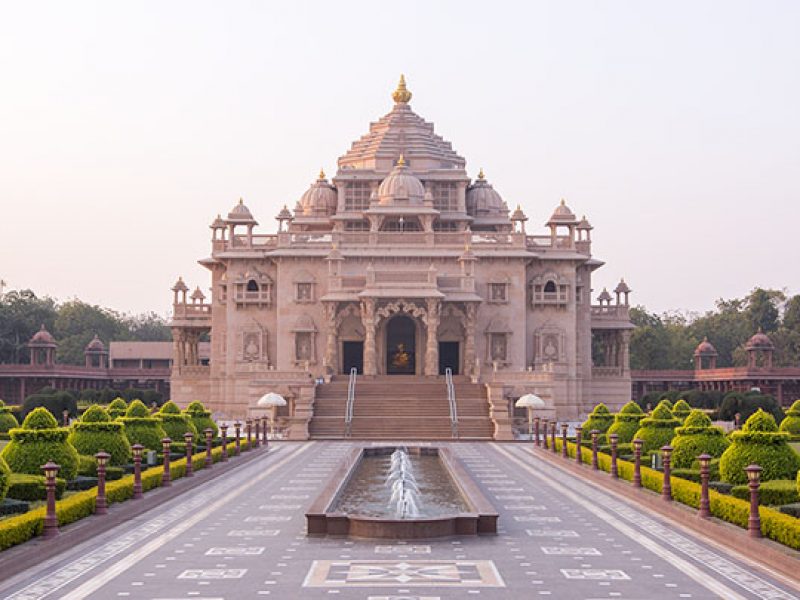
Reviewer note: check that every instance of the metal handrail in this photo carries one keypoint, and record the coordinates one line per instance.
(451, 400)
(351, 398)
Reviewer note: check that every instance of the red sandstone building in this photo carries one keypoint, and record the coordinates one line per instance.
(781, 382)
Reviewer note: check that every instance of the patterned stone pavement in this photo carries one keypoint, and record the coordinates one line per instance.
(243, 536)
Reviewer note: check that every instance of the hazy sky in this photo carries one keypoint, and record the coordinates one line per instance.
(126, 127)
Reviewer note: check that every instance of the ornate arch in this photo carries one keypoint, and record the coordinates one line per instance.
(402, 307)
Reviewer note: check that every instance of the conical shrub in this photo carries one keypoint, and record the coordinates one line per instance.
(96, 432)
(681, 410)
(175, 423)
(600, 419)
(39, 440)
(141, 427)
(7, 420)
(201, 418)
(759, 443)
(117, 408)
(658, 429)
(696, 437)
(626, 422)
(790, 423)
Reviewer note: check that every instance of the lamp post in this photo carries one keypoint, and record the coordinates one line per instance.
(595, 434)
(188, 438)
(209, 435)
(224, 431)
(537, 441)
(249, 424)
(258, 432)
(237, 427)
(614, 439)
(705, 505)
(564, 427)
(264, 432)
(546, 427)
(637, 462)
(578, 432)
(166, 480)
(137, 470)
(666, 486)
(50, 529)
(754, 482)
(100, 501)
(553, 427)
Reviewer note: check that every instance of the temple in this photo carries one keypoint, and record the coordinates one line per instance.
(401, 270)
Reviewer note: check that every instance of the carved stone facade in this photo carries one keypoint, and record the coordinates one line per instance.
(401, 264)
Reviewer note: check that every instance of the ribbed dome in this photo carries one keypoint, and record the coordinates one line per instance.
(401, 185)
(96, 345)
(705, 348)
(562, 214)
(42, 338)
(760, 341)
(483, 200)
(320, 199)
(241, 214)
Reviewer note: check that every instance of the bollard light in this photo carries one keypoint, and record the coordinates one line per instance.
(249, 423)
(546, 428)
(578, 442)
(637, 462)
(595, 434)
(137, 470)
(553, 436)
(666, 486)
(754, 482)
(100, 501)
(264, 431)
(238, 429)
(50, 529)
(188, 439)
(258, 432)
(564, 427)
(224, 432)
(209, 458)
(536, 422)
(614, 439)
(166, 479)
(705, 505)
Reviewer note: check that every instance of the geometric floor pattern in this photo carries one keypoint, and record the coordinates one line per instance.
(243, 536)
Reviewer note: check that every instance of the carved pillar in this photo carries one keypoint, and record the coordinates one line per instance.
(368, 319)
(432, 345)
(626, 355)
(331, 359)
(471, 312)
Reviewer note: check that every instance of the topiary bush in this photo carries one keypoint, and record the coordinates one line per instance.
(626, 422)
(96, 432)
(681, 410)
(790, 424)
(759, 442)
(175, 423)
(601, 419)
(696, 437)
(55, 402)
(201, 418)
(117, 408)
(658, 429)
(7, 420)
(747, 403)
(39, 440)
(141, 428)
(5, 474)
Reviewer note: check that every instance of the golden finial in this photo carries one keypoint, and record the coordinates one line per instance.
(321, 174)
(241, 201)
(401, 95)
(401, 162)
(563, 202)
(481, 176)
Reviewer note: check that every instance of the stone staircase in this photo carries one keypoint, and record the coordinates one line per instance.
(401, 407)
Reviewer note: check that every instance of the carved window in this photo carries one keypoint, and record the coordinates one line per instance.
(402, 224)
(357, 195)
(303, 347)
(498, 292)
(305, 292)
(550, 287)
(362, 225)
(252, 285)
(445, 196)
(498, 348)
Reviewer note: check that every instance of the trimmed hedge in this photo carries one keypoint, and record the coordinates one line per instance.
(696, 437)
(19, 529)
(5, 474)
(7, 420)
(201, 418)
(141, 428)
(175, 423)
(775, 492)
(681, 410)
(790, 424)
(117, 408)
(96, 432)
(658, 429)
(626, 422)
(39, 440)
(600, 419)
(32, 488)
(759, 442)
(775, 525)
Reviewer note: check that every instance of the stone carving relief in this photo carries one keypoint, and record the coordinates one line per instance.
(402, 307)
(253, 343)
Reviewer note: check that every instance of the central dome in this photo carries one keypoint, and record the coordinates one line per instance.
(401, 185)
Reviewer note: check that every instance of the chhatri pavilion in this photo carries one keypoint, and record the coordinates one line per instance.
(401, 269)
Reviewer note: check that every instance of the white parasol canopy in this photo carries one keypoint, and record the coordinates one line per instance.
(271, 399)
(530, 401)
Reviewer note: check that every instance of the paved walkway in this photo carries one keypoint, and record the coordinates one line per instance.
(242, 536)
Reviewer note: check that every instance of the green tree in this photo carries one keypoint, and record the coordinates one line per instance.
(22, 313)
(77, 322)
(762, 309)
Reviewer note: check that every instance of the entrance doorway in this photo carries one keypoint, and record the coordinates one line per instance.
(401, 346)
(448, 357)
(353, 357)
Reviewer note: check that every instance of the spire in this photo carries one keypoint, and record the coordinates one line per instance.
(401, 162)
(401, 95)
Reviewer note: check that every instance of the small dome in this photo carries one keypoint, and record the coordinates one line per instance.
(562, 214)
(241, 214)
(42, 338)
(705, 348)
(604, 296)
(319, 199)
(760, 341)
(285, 214)
(401, 185)
(197, 294)
(584, 224)
(218, 223)
(482, 199)
(518, 215)
(96, 345)
(180, 286)
(622, 288)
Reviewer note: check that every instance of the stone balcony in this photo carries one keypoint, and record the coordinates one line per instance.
(611, 316)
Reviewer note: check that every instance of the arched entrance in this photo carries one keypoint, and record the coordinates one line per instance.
(401, 346)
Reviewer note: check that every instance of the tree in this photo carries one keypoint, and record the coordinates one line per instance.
(762, 309)
(22, 313)
(78, 322)
(791, 314)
